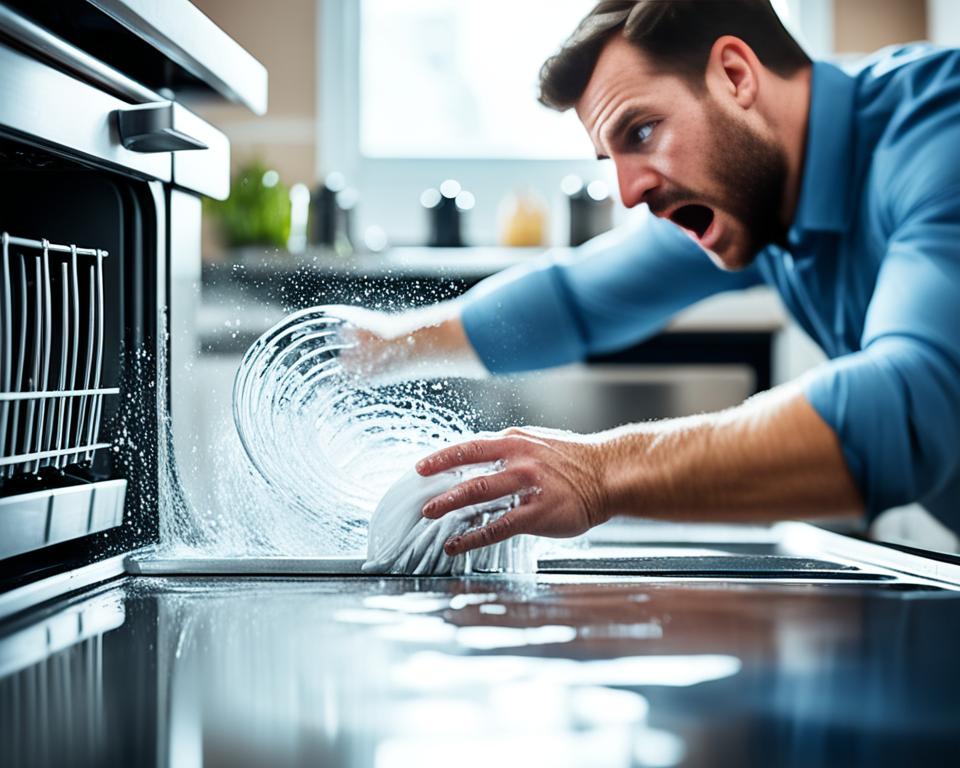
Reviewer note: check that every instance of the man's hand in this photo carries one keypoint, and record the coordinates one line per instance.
(772, 458)
(556, 477)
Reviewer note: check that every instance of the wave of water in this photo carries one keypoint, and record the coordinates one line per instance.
(326, 446)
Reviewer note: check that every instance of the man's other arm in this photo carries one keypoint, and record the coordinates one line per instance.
(613, 291)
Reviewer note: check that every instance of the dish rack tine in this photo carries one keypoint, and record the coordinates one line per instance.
(44, 425)
(64, 335)
(69, 430)
(87, 366)
(97, 401)
(18, 445)
(33, 379)
(5, 360)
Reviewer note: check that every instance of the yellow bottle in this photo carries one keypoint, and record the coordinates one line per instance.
(523, 220)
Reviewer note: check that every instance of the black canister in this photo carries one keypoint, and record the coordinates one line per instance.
(591, 208)
(324, 213)
(445, 207)
(331, 214)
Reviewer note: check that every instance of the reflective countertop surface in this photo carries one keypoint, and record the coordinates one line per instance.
(549, 670)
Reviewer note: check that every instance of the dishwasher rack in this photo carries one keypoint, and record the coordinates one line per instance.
(51, 355)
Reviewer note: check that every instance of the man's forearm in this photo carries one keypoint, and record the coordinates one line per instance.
(435, 333)
(433, 342)
(771, 458)
(420, 343)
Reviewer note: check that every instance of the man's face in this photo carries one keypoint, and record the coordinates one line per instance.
(693, 157)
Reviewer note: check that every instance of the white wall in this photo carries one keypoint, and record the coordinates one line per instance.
(943, 22)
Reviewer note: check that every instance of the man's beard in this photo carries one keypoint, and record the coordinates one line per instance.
(752, 172)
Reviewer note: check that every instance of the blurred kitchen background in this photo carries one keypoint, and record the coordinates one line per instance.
(404, 157)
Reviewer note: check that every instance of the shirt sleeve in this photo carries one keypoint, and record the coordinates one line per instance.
(895, 405)
(611, 292)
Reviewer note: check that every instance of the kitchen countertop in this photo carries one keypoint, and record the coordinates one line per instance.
(554, 670)
(257, 272)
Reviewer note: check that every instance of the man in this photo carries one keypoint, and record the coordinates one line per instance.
(758, 166)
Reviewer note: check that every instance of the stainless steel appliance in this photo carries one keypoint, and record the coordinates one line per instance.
(102, 170)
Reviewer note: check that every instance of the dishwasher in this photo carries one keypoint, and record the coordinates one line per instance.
(645, 644)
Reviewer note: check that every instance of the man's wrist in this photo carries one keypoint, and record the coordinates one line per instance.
(626, 472)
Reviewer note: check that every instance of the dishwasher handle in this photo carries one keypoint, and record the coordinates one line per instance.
(154, 127)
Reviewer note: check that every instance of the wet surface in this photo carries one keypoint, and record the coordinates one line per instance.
(549, 670)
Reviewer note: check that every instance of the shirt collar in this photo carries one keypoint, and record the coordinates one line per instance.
(824, 203)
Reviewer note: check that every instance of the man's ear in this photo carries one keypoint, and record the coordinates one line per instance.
(733, 71)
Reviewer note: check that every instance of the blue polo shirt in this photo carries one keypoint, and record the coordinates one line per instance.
(871, 272)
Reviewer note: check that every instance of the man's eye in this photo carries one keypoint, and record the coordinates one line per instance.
(642, 133)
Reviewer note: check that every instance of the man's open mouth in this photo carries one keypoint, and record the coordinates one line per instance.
(694, 218)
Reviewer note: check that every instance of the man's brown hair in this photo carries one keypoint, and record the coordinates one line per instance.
(677, 35)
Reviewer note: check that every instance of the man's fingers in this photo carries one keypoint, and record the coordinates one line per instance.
(499, 530)
(473, 491)
(473, 452)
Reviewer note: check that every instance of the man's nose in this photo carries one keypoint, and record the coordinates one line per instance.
(636, 179)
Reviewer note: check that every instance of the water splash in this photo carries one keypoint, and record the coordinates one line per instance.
(320, 450)
(309, 452)
(242, 517)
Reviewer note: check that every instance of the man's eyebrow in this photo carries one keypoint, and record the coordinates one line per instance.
(623, 123)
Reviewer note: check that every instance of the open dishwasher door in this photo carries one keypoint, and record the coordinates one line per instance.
(101, 172)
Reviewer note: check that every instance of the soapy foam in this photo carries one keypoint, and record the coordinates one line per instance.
(402, 541)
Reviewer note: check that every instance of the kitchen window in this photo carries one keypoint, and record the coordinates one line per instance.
(417, 92)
